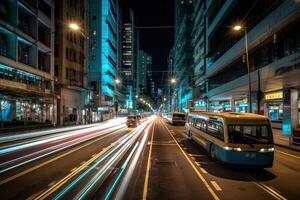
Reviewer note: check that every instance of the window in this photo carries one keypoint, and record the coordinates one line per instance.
(215, 129)
(94, 17)
(250, 134)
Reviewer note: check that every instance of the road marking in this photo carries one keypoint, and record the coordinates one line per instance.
(52, 183)
(216, 186)
(215, 196)
(146, 183)
(75, 168)
(203, 170)
(52, 160)
(198, 164)
(287, 154)
(267, 189)
(53, 188)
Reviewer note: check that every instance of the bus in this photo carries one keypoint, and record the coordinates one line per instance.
(242, 139)
(176, 118)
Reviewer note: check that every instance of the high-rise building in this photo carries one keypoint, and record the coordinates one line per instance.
(128, 61)
(170, 83)
(27, 63)
(144, 64)
(183, 53)
(103, 75)
(71, 51)
(268, 31)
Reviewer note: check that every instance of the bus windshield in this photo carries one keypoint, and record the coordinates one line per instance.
(179, 116)
(250, 134)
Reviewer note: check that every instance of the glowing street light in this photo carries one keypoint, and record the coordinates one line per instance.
(117, 81)
(173, 80)
(74, 26)
(165, 99)
(237, 27)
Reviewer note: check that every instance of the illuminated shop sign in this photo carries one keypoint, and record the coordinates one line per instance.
(274, 95)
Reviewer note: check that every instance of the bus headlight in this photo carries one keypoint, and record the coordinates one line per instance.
(266, 149)
(232, 149)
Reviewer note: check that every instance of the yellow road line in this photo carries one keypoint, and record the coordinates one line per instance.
(49, 161)
(194, 168)
(203, 170)
(287, 154)
(146, 183)
(216, 186)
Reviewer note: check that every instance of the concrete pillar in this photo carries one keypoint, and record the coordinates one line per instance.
(294, 108)
(287, 120)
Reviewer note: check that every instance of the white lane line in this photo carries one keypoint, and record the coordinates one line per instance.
(291, 155)
(216, 186)
(146, 183)
(267, 189)
(209, 188)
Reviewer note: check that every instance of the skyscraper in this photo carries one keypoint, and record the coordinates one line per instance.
(129, 60)
(103, 62)
(144, 64)
(183, 53)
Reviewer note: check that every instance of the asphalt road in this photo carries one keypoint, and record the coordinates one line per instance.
(32, 179)
(173, 172)
(153, 161)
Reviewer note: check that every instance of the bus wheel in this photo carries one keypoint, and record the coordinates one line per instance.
(212, 151)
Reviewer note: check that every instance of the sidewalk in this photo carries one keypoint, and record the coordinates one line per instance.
(281, 140)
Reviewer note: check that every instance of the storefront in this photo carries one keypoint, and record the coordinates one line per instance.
(220, 106)
(241, 105)
(273, 107)
(200, 105)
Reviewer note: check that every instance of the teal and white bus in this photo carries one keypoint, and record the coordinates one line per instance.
(233, 138)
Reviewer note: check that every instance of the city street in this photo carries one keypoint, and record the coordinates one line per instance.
(152, 161)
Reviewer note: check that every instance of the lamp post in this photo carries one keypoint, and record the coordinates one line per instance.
(76, 28)
(238, 28)
(173, 82)
(117, 82)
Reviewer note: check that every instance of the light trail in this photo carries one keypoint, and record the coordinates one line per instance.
(24, 145)
(128, 175)
(120, 147)
(27, 158)
(22, 136)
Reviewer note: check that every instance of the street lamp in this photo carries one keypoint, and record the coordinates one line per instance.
(117, 81)
(238, 28)
(173, 80)
(74, 26)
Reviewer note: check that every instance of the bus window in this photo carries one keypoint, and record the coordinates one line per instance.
(251, 134)
(215, 128)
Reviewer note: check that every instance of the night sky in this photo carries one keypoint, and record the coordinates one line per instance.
(156, 42)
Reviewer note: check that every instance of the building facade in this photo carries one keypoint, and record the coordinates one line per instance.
(128, 65)
(71, 50)
(183, 53)
(104, 58)
(144, 64)
(270, 30)
(27, 63)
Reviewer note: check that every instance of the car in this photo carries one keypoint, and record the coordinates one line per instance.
(132, 121)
